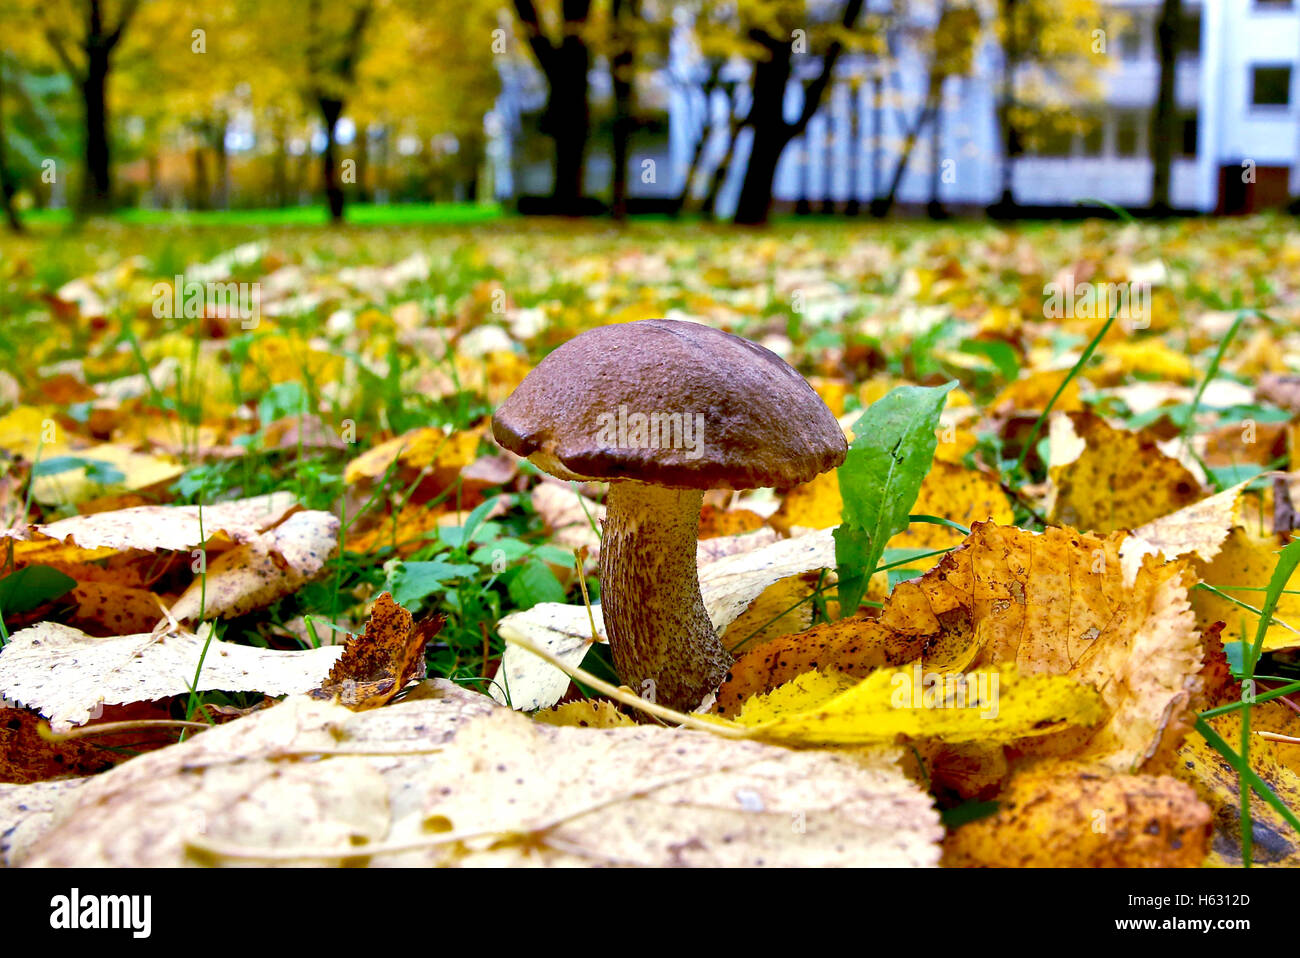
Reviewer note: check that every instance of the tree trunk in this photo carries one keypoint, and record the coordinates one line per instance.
(718, 179)
(97, 190)
(803, 205)
(708, 88)
(381, 167)
(1010, 138)
(222, 198)
(280, 169)
(1162, 125)
(7, 185)
(877, 134)
(828, 168)
(202, 199)
(331, 109)
(362, 191)
(928, 113)
(934, 208)
(621, 69)
(853, 205)
(755, 203)
(568, 122)
(767, 113)
(771, 135)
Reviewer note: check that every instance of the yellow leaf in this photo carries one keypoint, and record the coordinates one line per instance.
(988, 705)
(27, 430)
(589, 713)
(1033, 391)
(426, 447)
(1104, 479)
(1054, 603)
(1072, 815)
(1217, 783)
(1242, 570)
(124, 469)
(1146, 357)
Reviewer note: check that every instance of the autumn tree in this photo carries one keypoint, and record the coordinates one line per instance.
(1163, 120)
(564, 56)
(950, 46)
(1053, 54)
(85, 37)
(779, 32)
(434, 78)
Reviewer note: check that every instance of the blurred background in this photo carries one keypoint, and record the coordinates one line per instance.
(724, 109)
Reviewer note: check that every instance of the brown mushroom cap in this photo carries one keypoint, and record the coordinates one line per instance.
(762, 425)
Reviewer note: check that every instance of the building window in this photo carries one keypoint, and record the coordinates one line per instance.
(1127, 127)
(1130, 40)
(1270, 86)
(1094, 138)
(1273, 4)
(1053, 142)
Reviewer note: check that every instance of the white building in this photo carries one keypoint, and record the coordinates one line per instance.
(1237, 146)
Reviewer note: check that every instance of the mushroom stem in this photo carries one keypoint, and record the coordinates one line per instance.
(664, 645)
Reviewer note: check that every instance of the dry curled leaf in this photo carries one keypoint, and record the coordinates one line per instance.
(386, 657)
(255, 573)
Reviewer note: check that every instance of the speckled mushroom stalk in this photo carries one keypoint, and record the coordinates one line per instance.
(665, 648)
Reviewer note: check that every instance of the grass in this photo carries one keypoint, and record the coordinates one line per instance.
(355, 214)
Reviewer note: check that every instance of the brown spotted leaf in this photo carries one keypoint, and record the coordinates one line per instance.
(386, 657)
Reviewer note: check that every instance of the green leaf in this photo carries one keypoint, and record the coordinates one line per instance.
(282, 399)
(1000, 354)
(1287, 561)
(534, 583)
(103, 473)
(31, 586)
(475, 529)
(880, 479)
(411, 582)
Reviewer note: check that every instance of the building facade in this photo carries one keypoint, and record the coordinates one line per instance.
(1236, 148)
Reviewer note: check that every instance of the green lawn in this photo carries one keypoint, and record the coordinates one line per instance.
(358, 214)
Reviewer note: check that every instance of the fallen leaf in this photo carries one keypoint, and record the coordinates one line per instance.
(27, 812)
(1274, 841)
(1051, 604)
(255, 573)
(1241, 571)
(1197, 530)
(990, 705)
(174, 528)
(1071, 815)
(589, 713)
(65, 674)
(1104, 479)
(386, 657)
(514, 790)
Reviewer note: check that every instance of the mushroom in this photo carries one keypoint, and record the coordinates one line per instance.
(663, 410)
